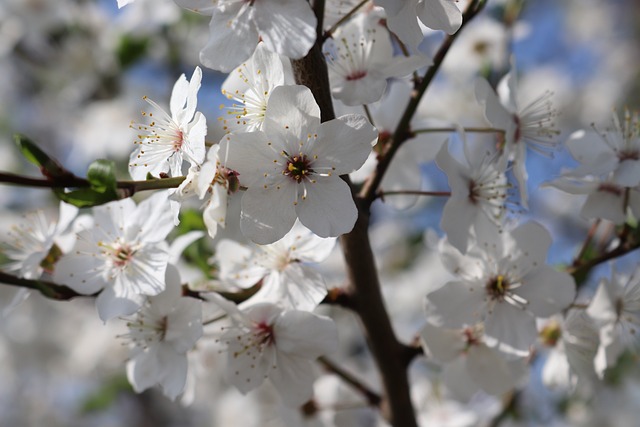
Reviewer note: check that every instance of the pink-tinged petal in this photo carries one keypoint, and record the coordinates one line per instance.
(343, 145)
(490, 371)
(292, 111)
(444, 345)
(547, 291)
(456, 304)
(328, 209)
(268, 213)
(232, 37)
(293, 378)
(514, 328)
(110, 305)
(440, 15)
(305, 334)
(287, 27)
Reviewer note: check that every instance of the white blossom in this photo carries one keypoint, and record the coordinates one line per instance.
(360, 59)
(292, 168)
(165, 328)
(615, 308)
(281, 268)
(266, 341)
(249, 87)
(504, 282)
(122, 255)
(287, 27)
(532, 124)
(169, 139)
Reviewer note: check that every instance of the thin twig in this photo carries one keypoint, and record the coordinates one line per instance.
(372, 397)
(329, 33)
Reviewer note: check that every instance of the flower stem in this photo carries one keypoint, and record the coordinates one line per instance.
(372, 397)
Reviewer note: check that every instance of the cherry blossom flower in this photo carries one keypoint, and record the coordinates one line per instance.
(266, 341)
(31, 242)
(614, 151)
(168, 140)
(292, 168)
(33, 247)
(615, 308)
(403, 15)
(504, 282)
(281, 266)
(249, 87)
(479, 192)
(532, 124)
(360, 59)
(287, 27)
(123, 255)
(165, 328)
(469, 363)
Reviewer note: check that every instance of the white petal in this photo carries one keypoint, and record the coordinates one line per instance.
(287, 27)
(143, 370)
(329, 209)
(344, 144)
(489, 370)
(268, 213)
(456, 304)
(547, 291)
(293, 378)
(110, 305)
(512, 327)
(305, 334)
(232, 37)
(444, 345)
(440, 15)
(291, 110)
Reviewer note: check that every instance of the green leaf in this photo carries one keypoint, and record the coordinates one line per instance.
(49, 166)
(131, 49)
(84, 197)
(102, 176)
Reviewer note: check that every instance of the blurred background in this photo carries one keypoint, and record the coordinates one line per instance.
(73, 76)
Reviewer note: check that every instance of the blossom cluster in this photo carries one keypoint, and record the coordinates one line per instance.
(237, 263)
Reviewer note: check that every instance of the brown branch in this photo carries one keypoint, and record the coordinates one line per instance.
(47, 289)
(371, 396)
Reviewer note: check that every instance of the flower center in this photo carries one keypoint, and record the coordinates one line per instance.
(298, 167)
(497, 287)
(356, 75)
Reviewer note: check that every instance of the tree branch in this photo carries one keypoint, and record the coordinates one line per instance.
(403, 131)
(47, 289)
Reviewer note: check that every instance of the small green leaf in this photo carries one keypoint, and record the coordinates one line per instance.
(84, 197)
(49, 166)
(102, 176)
(106, 395)
(131, 49)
